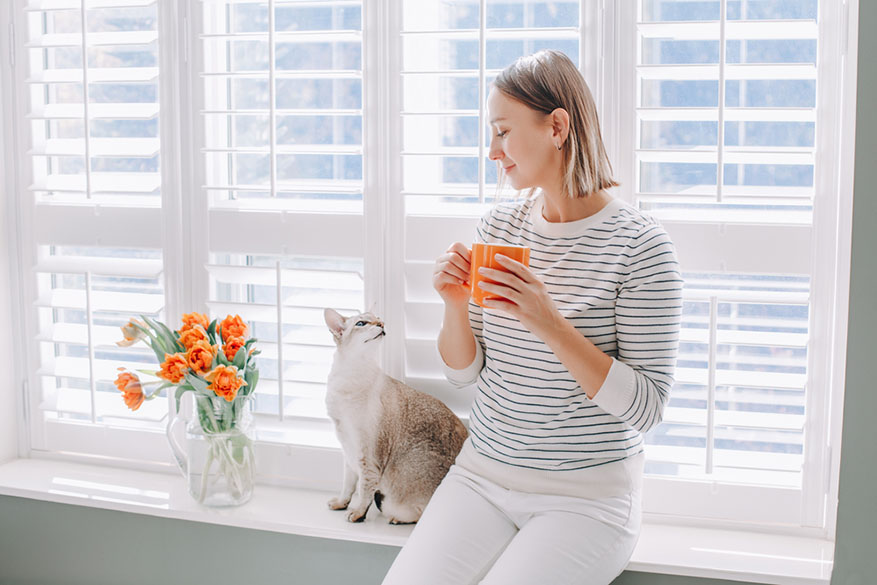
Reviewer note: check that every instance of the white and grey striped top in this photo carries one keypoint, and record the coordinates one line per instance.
(615, 276)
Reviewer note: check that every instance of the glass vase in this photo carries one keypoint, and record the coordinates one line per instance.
(216, 456)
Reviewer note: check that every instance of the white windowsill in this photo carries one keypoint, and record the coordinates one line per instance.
(675, 550)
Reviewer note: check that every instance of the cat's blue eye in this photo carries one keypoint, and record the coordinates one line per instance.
(361, 323)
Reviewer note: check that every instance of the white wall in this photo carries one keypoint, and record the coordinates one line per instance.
(8, 396)
(9, 403)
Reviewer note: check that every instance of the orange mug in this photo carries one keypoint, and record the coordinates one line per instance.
(485, 255)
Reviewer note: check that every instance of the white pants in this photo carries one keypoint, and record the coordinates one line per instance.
(475, 531)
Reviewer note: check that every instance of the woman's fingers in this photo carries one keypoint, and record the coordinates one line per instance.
(448, 265)
(513, 281)
(517, 268)
(455, 262)
(506, 292)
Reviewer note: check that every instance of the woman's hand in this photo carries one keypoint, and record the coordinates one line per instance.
(450, 277)
(525, 297)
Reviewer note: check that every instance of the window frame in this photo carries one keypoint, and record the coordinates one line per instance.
(386, 232)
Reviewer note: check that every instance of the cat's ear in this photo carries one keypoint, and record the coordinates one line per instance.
(335, 321)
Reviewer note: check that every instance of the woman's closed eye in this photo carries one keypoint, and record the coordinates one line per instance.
(502, 134)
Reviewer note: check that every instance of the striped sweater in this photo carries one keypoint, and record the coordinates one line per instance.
(614, 275)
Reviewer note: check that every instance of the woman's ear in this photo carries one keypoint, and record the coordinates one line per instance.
(559, 125)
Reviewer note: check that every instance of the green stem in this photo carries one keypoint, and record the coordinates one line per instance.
(206, 475)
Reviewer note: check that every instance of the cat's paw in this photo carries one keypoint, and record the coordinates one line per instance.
(338, 504)
(396, 521)
(357, 515)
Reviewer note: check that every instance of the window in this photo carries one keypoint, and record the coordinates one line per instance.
(272, 158)
(728, 103)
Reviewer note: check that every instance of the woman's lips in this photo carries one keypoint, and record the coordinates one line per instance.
(508, 168)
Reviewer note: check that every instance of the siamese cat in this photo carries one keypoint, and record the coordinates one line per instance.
(398, 443)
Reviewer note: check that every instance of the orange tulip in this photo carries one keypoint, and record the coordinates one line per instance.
(224, 380)
(192, 319)
(132, 391)
(200, 356)
(233, 327)
(231, 347)
(133, 400)
(189, 336)
(174, 367)
(131, 333)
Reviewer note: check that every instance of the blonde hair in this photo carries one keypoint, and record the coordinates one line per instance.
(545, 81)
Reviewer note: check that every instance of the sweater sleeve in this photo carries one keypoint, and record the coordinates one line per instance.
(648, 313)
(469, 375)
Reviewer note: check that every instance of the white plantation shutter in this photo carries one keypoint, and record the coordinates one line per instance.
(282, 186)
(451, 52)
(323, 153)
(724, 112)
(91, 213)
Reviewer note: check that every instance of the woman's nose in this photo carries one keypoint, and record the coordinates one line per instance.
(495, 153)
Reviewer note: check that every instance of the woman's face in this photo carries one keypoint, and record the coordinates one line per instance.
(523, 142)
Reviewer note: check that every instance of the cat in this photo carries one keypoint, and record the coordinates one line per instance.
(398, 443)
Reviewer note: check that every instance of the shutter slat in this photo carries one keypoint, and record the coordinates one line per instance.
(77, 368)
(290, 36)
(75, 401)
(739, 418)
(135, 111)
(286, 74)
(96, 75)
(732, 155)
(99, 147)
(93, 39)
(743, 378)
(47, 5)
(298, 186)
(730, 114)
(101, 183)
(734, 30)
(133, 267)
(732, 72)
(120, 302)
(328, 149)
(75, 334)
(746, 337)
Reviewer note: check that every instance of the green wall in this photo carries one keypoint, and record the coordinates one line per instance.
(51, 544)
(855, 558)
(47, 543)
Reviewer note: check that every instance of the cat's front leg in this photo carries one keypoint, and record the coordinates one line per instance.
(365, 492)
(348, 485)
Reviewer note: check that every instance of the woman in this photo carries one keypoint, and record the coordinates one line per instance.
(573, 364)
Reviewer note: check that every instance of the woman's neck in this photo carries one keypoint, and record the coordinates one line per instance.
(557, 208)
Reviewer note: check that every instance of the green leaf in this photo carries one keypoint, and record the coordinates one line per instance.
(167, 344)
(240, 357)
(251, 377)
(153, 373)
(211, 331)
(220, 358)
(158, 390)
(250, 342)
(172, 338)
(182, 389)
(197, 383)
